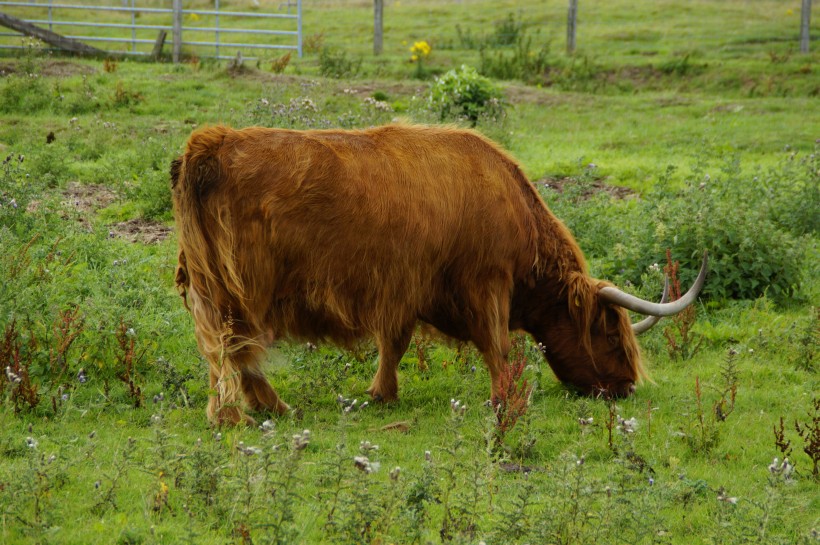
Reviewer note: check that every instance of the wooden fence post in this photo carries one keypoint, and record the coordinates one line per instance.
(805, 28)
(572, 18)
(177, 30)
(378, 27)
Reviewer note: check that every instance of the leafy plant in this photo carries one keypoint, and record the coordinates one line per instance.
(464, 94)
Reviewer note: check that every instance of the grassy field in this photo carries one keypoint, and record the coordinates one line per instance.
(670, 128)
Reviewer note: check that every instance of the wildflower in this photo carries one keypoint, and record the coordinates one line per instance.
(366, 446)
(427, 456)
(31, 442)
(267, 425)
(627, 426)
(156, 419)
(420, 50)
(247, 450)
(82, 377)
(585, 421)
(159, 397)
(394, 473)
(301, 440)
(13, 377)
(724, 498)
(782, 470)
(363, 463)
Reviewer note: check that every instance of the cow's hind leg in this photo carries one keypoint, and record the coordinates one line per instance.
(259, 394)
(385, 385)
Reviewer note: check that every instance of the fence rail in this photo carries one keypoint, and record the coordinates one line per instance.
(215, 22)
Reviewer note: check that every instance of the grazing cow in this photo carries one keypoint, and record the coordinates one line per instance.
(334, 235)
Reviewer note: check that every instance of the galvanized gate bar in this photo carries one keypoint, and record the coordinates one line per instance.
(175, 25)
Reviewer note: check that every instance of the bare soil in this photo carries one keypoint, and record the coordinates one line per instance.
(597, 186)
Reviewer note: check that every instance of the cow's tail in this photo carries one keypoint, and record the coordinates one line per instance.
(205, 231)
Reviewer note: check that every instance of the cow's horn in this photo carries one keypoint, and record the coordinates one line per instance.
(635, 304)
(648, 323)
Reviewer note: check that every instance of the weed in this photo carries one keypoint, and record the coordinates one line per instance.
(110, 66)
(278, 65)
(108, 486)
(314, 43)
(810, 433)
(128, 359)
(681, 342)
(513, 400)
(523, 62)
(124, 98)
(334, 63)
(704, 434)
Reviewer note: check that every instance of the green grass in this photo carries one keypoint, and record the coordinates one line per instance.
(64, 246)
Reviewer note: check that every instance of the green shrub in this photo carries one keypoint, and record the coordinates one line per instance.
(758, 235)
(465, 94)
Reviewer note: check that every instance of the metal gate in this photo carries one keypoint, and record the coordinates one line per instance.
(137, 27)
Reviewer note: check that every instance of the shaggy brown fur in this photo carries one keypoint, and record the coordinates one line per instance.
(341, 235)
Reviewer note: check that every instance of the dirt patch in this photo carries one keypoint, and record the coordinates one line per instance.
(588, 189)
(140, 230)
(52, 68)
(88, 197)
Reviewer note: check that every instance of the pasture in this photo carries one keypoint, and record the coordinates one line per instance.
(686, 128)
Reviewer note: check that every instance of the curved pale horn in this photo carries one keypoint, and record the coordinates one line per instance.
(648, 323)
(635, 304)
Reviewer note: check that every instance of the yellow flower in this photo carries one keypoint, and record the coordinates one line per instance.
(421, 49)
(414, 58)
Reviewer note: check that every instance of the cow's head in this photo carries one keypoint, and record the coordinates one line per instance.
(591, 344)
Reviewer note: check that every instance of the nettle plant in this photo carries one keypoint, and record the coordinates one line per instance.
(464, 94)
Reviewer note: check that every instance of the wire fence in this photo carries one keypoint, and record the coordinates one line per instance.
(638, 27)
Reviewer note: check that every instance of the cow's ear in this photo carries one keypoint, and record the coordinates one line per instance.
(182, 279)
(176, 168)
